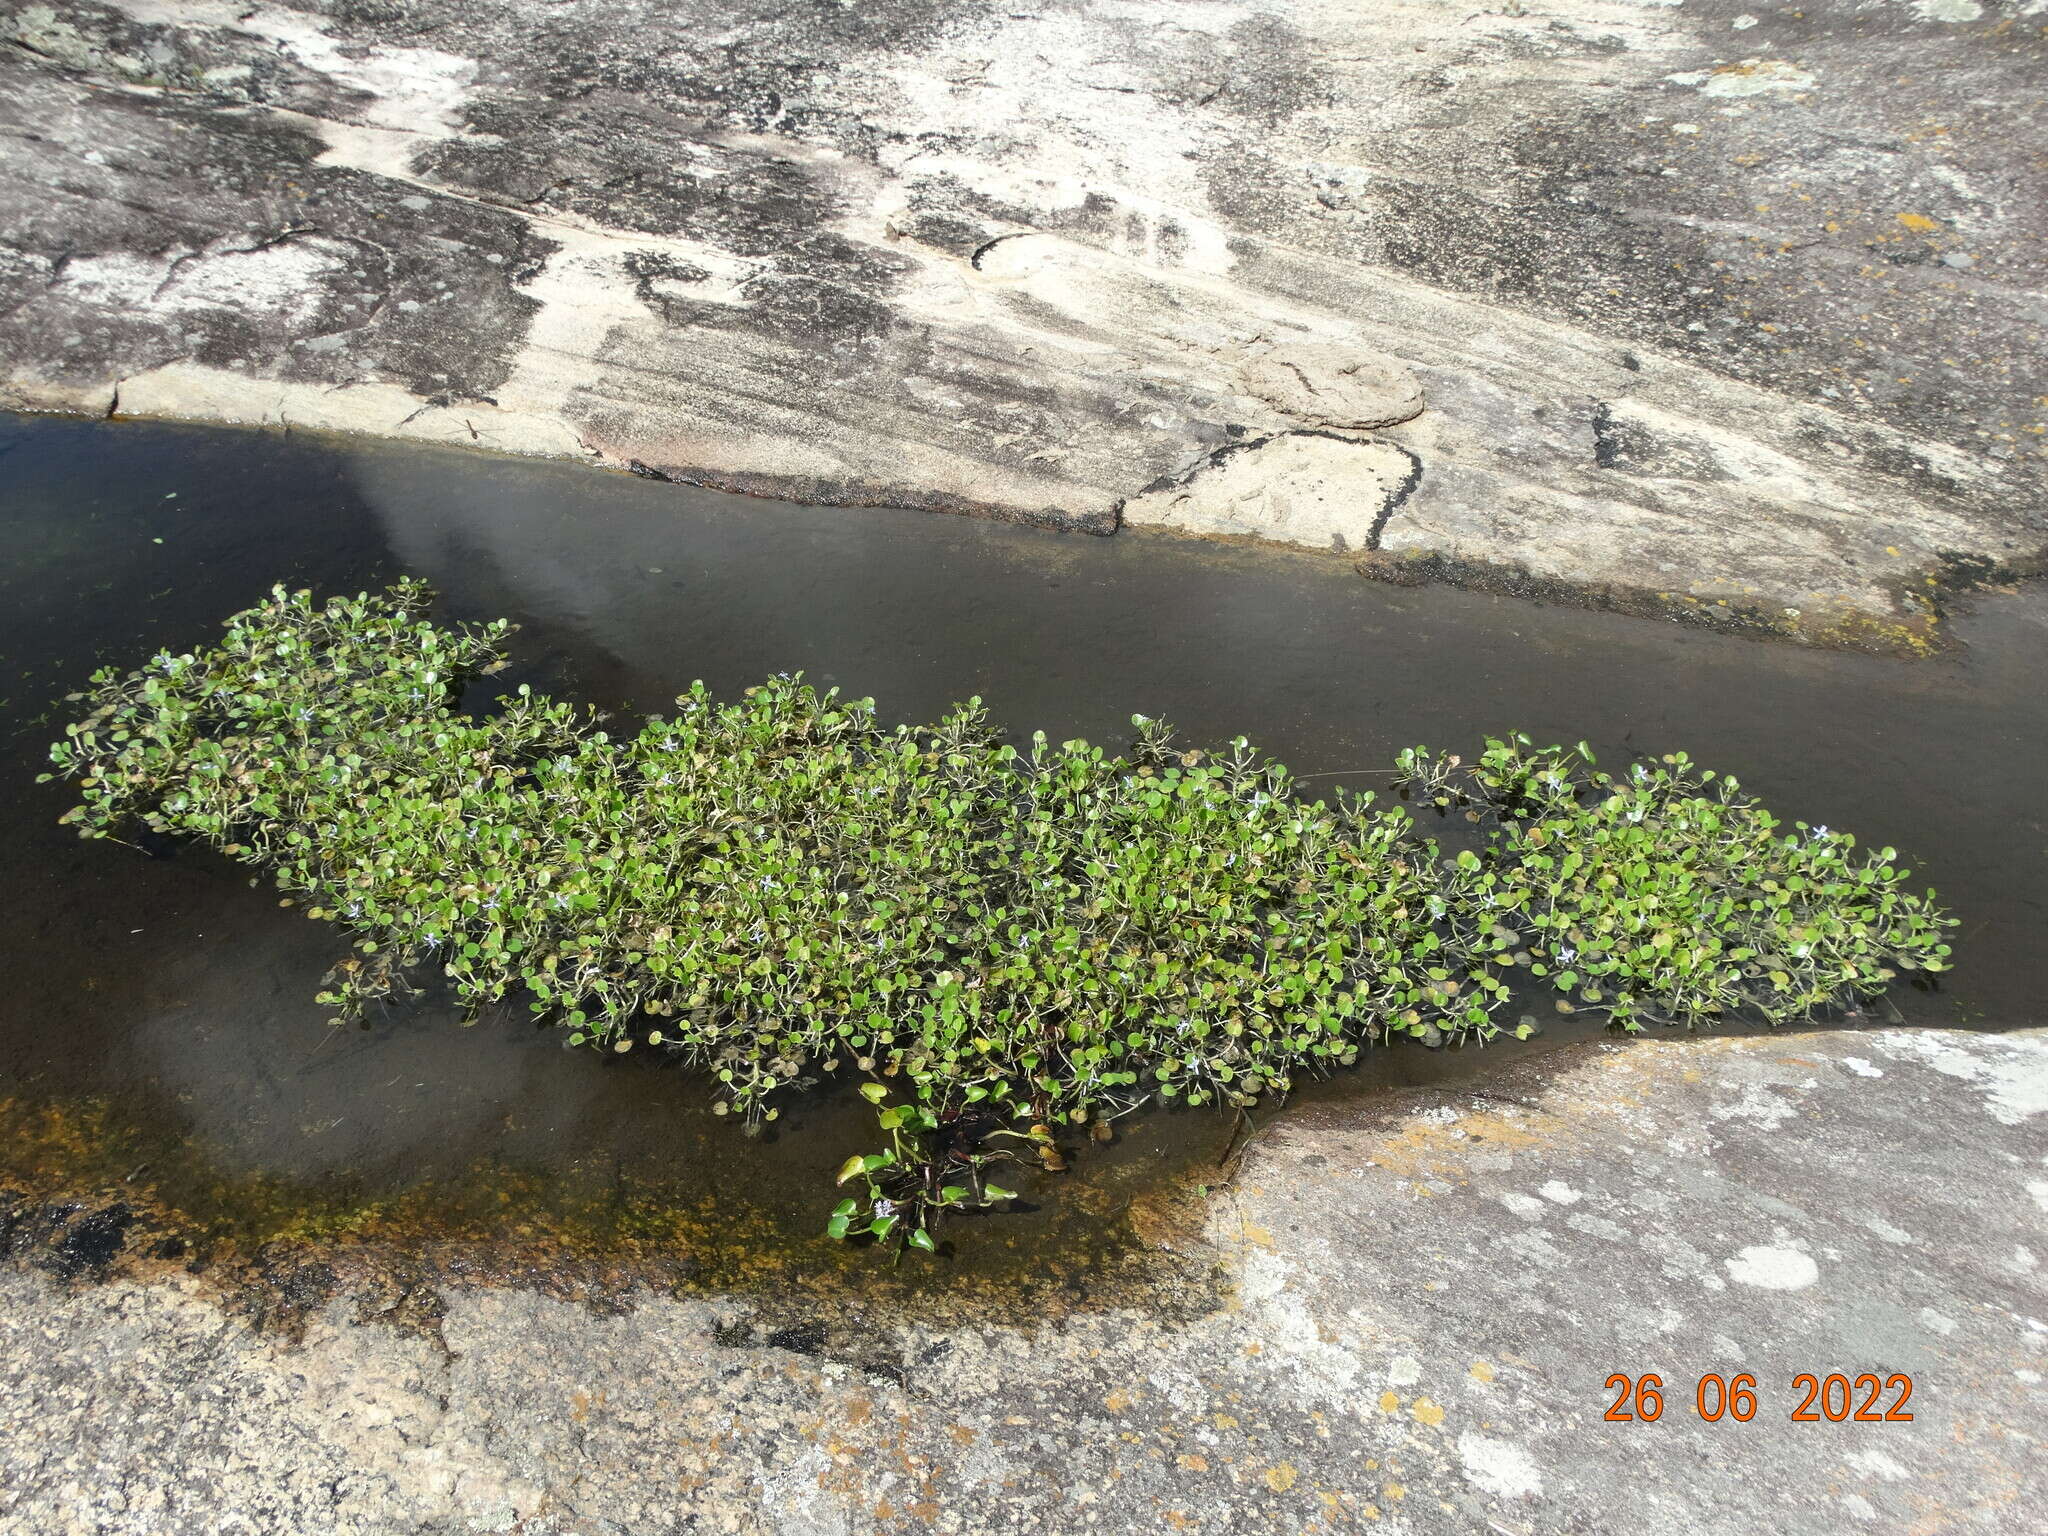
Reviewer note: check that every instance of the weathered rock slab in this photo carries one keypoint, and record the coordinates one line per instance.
(1426, 1299)
(1737, 305)
(1331, 385)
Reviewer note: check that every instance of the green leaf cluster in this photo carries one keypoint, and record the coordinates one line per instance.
(1668, 895)
(935, 1164)
(778, 885)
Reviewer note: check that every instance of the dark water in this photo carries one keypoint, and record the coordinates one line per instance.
(161, 1009)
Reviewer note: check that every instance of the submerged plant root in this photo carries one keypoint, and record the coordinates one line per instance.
(779, 885)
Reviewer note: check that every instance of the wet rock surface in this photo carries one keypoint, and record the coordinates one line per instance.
(1421, 1305)
(1731, 306)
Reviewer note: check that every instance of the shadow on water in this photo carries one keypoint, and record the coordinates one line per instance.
(159, 1032)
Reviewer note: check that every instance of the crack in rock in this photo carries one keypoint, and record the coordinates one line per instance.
(1320, 489)
(1328, 384)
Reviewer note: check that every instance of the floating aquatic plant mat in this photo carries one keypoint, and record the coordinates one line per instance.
(1001, 942)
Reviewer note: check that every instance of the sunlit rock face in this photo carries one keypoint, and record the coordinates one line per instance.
(1737, 306)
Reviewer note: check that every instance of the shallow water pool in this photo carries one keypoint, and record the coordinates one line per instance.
(159, 1022)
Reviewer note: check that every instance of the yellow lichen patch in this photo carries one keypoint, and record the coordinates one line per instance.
(1389, 1403)
(1118, 1401)
(1918, 222)
(1427, 1412)
(1280, 1478)
(1192, 1462)
(1394, 1493)
(1482, 1371)
(1422, 1148)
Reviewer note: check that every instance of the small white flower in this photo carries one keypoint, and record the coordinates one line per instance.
(885, 1208)
(1820, 833)
(1567, 954)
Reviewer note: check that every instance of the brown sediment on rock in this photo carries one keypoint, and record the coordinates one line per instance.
(89, 1198)
(1926, 600)
(812, 492)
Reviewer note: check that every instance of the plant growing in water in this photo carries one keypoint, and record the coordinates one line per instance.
(1668, 895)
(780, 886)
(913, 1182)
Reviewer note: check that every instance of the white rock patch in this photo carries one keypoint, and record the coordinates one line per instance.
(1498, 1467)
(1773, 1269)
(1887, 1231)
(2014, 1080)
(1757, 1105)
(1877, 1464)
(1297, 488)
(1752, 77)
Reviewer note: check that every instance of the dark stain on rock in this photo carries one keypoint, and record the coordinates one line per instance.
(1420, 568)
(94, 1241)
(70, 1238)
(799, 1338)
(1399, 495)
(1632, 447)
(649, 268)
(243, 253)
(1879, 453)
